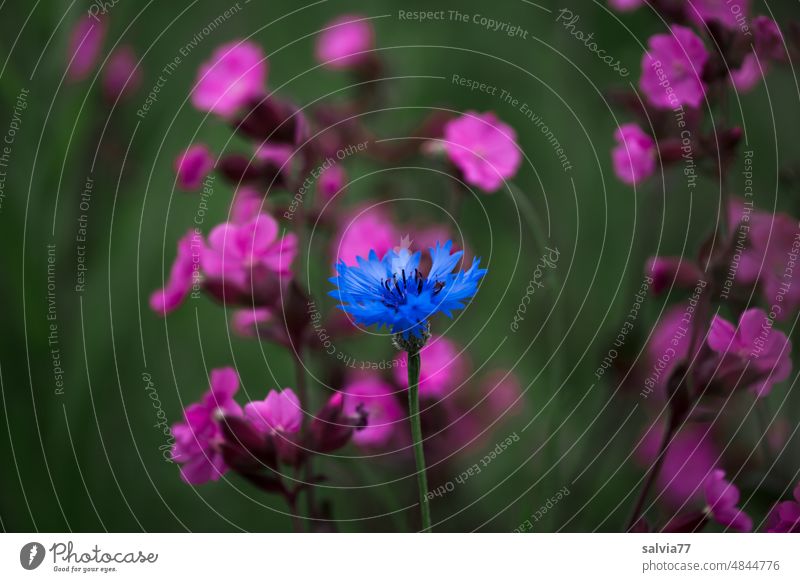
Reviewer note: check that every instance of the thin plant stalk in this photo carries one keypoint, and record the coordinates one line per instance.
(416, 438)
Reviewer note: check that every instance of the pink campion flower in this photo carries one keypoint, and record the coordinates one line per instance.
(770, 241)
(754, 347)
(364, 230)
(235, 74)
(503, 392)
(730, 13)
(634, 156)
(768, 39)
(193, 166)
(722, 498)
(246, 322)
(690, 459)
(234, 251)
(331, 181)
(198, 437)
(121, 75)
(785, 516)
(371, 397)
(483, 148)
(345, 42)
(85, 43)
(185, 273)
(247, 204)
(625, 5)
(280, 412)
(443, 368)
(672, 69)
(747, 76)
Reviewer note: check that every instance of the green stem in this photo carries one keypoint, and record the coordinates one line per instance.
(416, 438)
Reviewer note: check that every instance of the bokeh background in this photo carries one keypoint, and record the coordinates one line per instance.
(90, 458)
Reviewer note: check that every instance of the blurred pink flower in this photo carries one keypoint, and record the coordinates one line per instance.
(193, 166)
(722, 498)
(730, 13)
(332, 181)
(247, 204)
(634, 156)
(748, 74)
(373, 398)
(122, 75)
(246, 322)
(503, 394)
(345, 42)
(672, 69)
(279, 412)
(754, 348)
(235, 250)
(197, 439)
(364, 230)
(483, 148)
(672, 271)
(442, 368)
(770, 242)
(85, 43)
(769, 41)
(235, 74)
(785, 516)
(690, 459)
(625, 5)
(185, 272)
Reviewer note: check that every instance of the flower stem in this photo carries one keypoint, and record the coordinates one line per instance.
(416, 438)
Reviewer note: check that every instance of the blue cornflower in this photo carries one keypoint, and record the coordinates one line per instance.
(392, 292)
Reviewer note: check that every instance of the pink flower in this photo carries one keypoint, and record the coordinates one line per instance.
(722, 498)
(193, 166)
(235, 251)
(754, 348)
(184, 274)
(483, 148)
(122, 75)
(672, 69)
(279, 412)
(197, 439)
(769, 241)
(246, 322)
(85, 43)
(634, 155)
(374, 399)
(442, 370)
(625, 5)
(332, 181)
(247, 204)
(235, 74)
(785, 516)
(364, 230)
(504, 396)
(768, 39)
(748, 74)
(690, 459)
(345, 42)
(730, 13)
(672, 271)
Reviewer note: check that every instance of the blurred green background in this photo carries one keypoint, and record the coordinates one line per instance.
(89, 459)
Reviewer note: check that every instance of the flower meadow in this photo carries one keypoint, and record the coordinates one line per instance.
(365, 268)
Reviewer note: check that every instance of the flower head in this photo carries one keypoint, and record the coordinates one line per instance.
(235, 74)
(785, 516)
(85, 43)
(198, 437)
(754, 347)
(234, 251)
(483, 148)
(672, 69)
(122, 75)
(729, 14)
(392, 292)
(362, 231)
(280, 412)
(722, 498)
(768, 39)
(345, 42)
(374, 399)
(193, 165)
(634, 155)
(185, 272)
